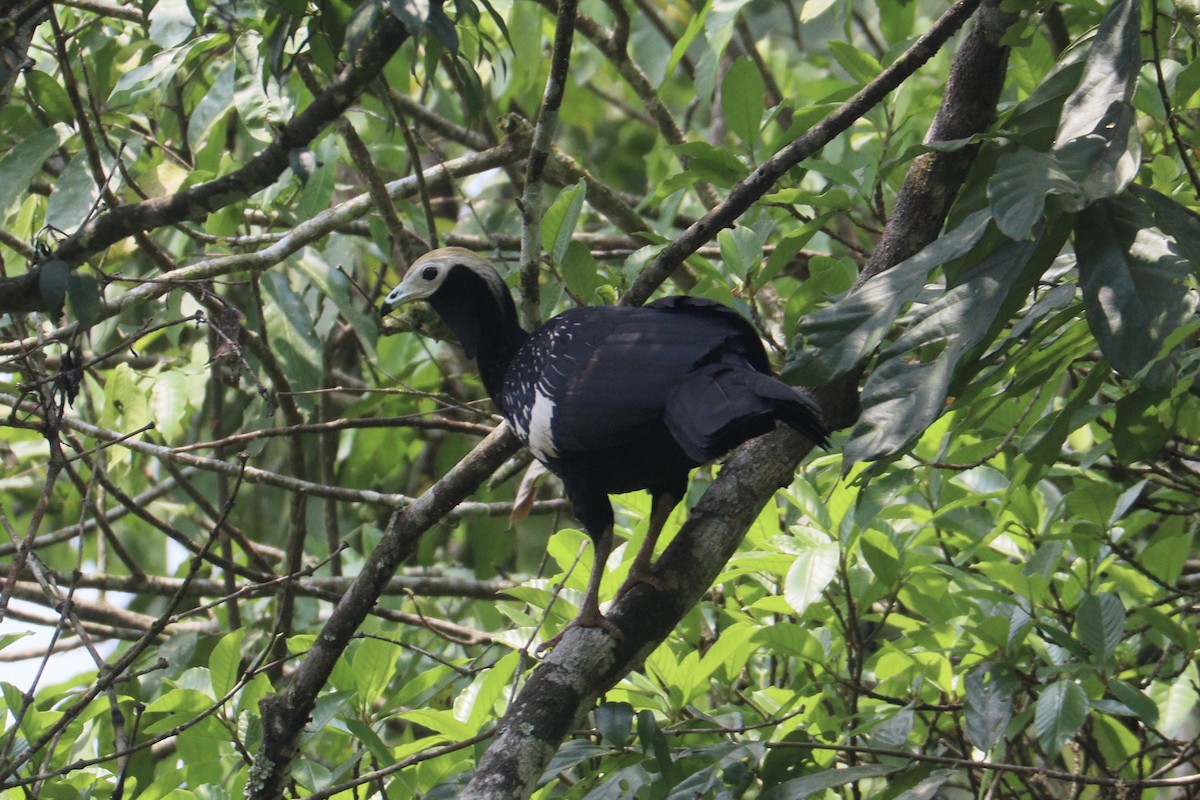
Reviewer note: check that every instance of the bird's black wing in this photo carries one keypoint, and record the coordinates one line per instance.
(719, 406)
(608, 372)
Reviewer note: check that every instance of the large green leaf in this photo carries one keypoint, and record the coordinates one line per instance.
(742, 100)
(293, 339)
(809, 785)
(1101, 624)
(1109, 74)
(1134, 282)
(1017, 190)
(1098, 142)
(1062, 708)
(213, 106)
(155, 75)
(810, 573)
(989, 705)
(24, 161)
(1176, 221)
(836, 339)
(560, 219)
(908, 390)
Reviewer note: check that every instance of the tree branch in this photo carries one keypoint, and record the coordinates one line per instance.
(539, 154)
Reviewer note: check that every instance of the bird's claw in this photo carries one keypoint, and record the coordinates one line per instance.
(582, 621)
(640, 573)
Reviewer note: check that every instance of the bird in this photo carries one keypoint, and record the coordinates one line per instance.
(612, 399)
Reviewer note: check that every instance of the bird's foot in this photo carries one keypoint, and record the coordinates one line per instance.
(584, 620)
(640, 572)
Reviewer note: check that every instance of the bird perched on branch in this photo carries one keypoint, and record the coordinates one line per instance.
(612, 398)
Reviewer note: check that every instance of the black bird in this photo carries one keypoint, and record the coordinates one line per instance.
(612, 398)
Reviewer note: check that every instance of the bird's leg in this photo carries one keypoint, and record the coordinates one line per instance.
(639, 570)
(589, 611)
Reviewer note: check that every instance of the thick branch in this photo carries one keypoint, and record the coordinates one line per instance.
(968, 107)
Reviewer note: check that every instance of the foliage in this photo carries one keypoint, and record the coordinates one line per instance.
(987, 587)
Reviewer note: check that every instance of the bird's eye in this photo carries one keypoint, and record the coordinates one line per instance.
(429, 273)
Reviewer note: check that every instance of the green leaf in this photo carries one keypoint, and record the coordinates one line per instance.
(374, 664)
(1101, 624)
(862, 66)
(1134, 282)
(1098, 141)
(815, 8)
(171, 23)
(1177, 701)
(810, 573)
(50, 96)
(615, 722)
(213, 106)
(1175, 221)
(1139, 705)
(742, 100)
(293, 339)
(881, 556)
(1017, 190)
(989, 705)
(560, 219)
(741, 249)
(154, 76)
(419, 15)
(809, 785)
(712, 164)
(225, 662)
(1102, 166)
(83, 295)
(581, 272)
(169, 403)
(1139, 433)
(334, 286)
(786, 249)
(75, 192)
(54, 277)
(1109, 75)
(654, 743)
(23, 162)
(908, 390)
(1062, 708)
(488, 688)
(836, 339)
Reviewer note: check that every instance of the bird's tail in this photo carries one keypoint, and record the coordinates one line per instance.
(722, 405)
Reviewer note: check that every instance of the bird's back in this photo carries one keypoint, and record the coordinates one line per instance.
(606, 378)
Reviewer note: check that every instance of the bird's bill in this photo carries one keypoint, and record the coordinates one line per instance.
(405, 292)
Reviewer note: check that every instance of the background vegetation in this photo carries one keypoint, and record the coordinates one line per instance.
(274, 530)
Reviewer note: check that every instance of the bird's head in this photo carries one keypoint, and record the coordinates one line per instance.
(445, 268)
(465, 290)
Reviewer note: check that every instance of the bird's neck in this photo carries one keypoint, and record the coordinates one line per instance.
(488, 331)
(497, 347)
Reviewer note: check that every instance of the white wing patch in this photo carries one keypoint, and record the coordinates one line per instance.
(541, 418)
